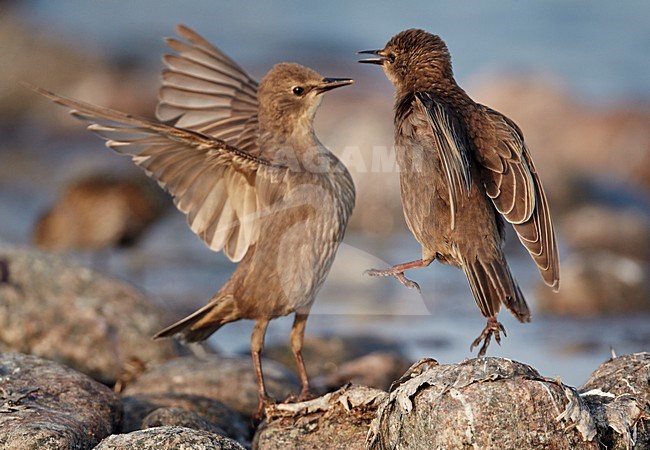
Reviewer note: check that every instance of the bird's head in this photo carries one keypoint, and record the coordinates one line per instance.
(413, 60)
(289, 96)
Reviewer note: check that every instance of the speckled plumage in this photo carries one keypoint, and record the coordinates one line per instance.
(464, 169)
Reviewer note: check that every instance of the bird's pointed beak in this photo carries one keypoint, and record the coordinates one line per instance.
(332, 83)
(380, 61)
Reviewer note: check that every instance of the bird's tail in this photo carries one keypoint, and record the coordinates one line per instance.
(492, 285)
(199, 325)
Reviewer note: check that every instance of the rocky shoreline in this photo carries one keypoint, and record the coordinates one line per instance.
(67, 334)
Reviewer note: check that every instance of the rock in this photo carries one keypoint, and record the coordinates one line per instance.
(377, 370)
(168, 438)
(596, 227)
(46, 406)
(98, 212)
(486, 403)
(178, 417)
(70, 314)
(230, 380)
(338, 420)
(618, 395)
(142, 410)
(329, 360)
(598, 283)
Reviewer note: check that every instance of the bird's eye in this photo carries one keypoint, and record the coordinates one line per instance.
(297, 91)
(391, 57)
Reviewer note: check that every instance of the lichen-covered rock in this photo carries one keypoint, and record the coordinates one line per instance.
(168, 438)
(618, 395)
(230, 380)
(143, 410)
(46, 406)
(70, 314)
(486, 403)
(338, 420)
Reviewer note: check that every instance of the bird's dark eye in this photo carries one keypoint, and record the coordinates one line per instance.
(391, 57)
(297, 91)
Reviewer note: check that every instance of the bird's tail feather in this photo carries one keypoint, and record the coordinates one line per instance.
(492, 284)
(193, 328)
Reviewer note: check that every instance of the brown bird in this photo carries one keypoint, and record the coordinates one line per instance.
(98, 212)
(463, 169)
(243, 163)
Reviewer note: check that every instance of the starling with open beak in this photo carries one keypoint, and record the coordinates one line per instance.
(464, 168)
(241, 160)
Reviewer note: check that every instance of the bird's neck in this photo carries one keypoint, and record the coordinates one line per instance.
(298, 149)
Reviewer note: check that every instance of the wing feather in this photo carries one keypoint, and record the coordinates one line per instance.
(222, 190)
(517, 193)
(204, 90)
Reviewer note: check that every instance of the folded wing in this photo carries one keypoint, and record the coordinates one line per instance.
(517, 193)
(451, 142)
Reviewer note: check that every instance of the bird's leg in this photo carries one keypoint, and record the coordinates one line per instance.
(257, 346)
(297, 337)
(398, 271)
(493, 327)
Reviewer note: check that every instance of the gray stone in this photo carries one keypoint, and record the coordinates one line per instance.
(618, 395)
(179, 417)
(338, 420)
(486, 403)
(139, 408)
(230, 380)
(168, 438)
(44, 405)
(70, 314)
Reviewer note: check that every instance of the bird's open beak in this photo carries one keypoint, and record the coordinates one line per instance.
(382, 57)
(331, 83)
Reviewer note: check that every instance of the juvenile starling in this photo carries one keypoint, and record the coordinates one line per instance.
(463, 169)
(243, 163)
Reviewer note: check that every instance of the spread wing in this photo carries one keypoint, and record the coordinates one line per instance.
(224, 192)
(512, 183)
(453, 147)
(204, 90)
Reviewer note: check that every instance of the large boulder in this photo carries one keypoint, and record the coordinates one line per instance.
(486, 403)
(70, 314)
(46, 406)
(618, 395)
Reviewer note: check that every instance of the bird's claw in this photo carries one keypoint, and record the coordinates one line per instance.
(493, 328)
(264, 402)
(391, 273)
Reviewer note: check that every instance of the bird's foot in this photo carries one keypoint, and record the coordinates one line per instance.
(305, 394)
(264, 402)
(493, 327)
(393, 272)
(302, 397)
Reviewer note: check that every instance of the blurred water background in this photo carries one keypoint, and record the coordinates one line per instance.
(575, 75)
